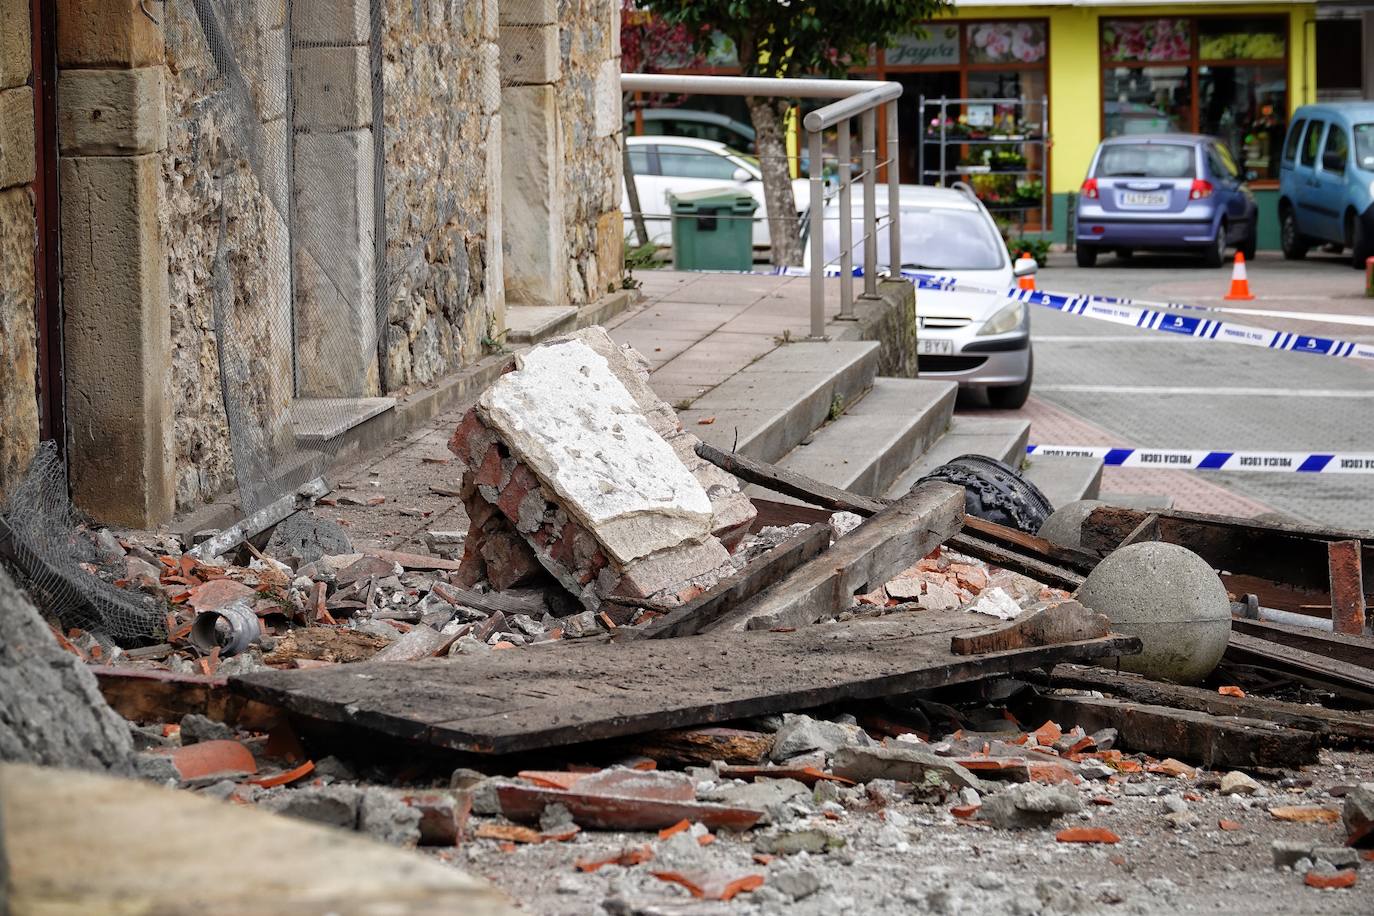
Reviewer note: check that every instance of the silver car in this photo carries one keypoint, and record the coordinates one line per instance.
(978, 339)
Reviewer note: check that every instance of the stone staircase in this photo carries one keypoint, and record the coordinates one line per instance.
(820, 409)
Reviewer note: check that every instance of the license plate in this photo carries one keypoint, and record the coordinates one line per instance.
(934, 347)
(1137, 199)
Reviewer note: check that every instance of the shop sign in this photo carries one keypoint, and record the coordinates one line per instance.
(939, 46)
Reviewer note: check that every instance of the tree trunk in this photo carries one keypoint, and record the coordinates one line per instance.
(632, 190)
(784, 226)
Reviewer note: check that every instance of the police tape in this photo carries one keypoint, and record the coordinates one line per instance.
(1106, 308)
(1205, 460)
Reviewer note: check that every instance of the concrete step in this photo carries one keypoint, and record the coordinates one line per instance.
(1002, 439)
(531, 324)
(876, 439)
(1064, 479)
(767, 408)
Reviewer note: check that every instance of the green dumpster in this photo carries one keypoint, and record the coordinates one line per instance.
(713, 229)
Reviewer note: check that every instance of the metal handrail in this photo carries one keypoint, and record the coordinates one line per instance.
(855, 98)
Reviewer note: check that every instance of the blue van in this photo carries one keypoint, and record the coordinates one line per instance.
(1326, 180)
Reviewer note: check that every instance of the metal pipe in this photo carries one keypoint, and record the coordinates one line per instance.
(870, 156)
(894, 194)
(747, 85)
(848, 107)
(846, 227)
(817, 240)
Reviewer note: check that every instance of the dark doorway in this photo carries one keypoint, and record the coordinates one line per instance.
(914, 122)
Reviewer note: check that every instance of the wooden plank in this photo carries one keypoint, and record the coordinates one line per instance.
(1291, 555)
(702, 746)
(1347, 589)
(1335, 726)
(772, 513)
(883, 545)
(1214, 741)
(1029, 545)
(798, 486)
(615, 812)
(527, 699)
(1064, 621)
(1034, 567)
(710, 606)
(1251, 650)
(1343, 647)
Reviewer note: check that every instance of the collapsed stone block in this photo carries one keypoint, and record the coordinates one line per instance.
(573, 462)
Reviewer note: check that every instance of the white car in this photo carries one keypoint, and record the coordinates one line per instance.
(677, 165)
(977, 339)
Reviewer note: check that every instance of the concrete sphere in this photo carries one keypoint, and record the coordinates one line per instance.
(1169, 597)
(1065, 526)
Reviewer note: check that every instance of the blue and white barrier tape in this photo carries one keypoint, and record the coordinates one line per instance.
(1203, 460)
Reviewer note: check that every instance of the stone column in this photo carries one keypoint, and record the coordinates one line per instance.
(116, 330)
(18, 235)
(334, 195)
(534, 249)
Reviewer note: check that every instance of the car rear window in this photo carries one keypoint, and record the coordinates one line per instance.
(1146, 160)
(1364, 146)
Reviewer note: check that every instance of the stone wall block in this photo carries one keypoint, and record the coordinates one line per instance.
(270, 14)
(269, 86)
(338, 22)
(608, 118)
(489, 57)
(496, 281)
(116, 337)
(532, 196)
(111, 112)
(106, 33)
(16, 137)
(18, 353)
(16, 54)
(529, 12)
(530, 55)
(336, 323)
(333, 88)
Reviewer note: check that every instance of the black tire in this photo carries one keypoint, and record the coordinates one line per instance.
(1250, 244)
(1361, 245)
(1086, 255)
(1124, 253)
(1290, 239)
(1215, 253)
(1013, 397)
(995, 492)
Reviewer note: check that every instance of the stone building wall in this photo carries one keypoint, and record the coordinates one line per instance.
(224, 223)
(18, 240)
(589, 108)
(442, 151)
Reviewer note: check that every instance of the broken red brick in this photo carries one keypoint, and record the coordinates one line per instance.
(206, 758)
(706, 839)
(1103, 801)
(1231, 690)
(808, 775)
(964, 812)
(712, 885)
(1306, 814)
(444, 816)
(510, 833)
(764, 858)
(680, 826)
(1086, 835)
(627, 858)
(553, 779)
(1052, 774)
(1224, 824)
(1048, 733)
(1341, 879)
(285, 777)
(1172, 767)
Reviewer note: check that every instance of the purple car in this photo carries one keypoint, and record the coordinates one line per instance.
(1170, 192)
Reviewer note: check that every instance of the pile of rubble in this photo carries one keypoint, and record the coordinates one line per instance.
(765, 697)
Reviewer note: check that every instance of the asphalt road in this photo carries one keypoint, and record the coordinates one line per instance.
(1167, 391)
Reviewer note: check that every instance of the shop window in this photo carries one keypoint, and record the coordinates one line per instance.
(1224, 76)
(1020, 42)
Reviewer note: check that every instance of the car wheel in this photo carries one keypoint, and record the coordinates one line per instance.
(1360, 243)
(1124, 253)
(1013, 397)
(1290, 239)
(1215, 253)
(1086, 255)
(1250, 243)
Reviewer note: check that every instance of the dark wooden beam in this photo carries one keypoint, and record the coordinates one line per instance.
(798, 486)
(1342, 647)
(1347, 586)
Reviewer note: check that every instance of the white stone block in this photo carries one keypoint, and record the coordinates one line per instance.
(334, 22)
(529, 12)
(609, 120)
(489, 77)
(566, 415)
(16, 137)
(529, 55)
(532, 196)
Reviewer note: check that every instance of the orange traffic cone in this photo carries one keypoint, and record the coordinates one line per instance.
(1028, 281)
(1240, 286)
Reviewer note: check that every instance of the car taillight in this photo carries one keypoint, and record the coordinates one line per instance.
(1200, 189)
(1089, 189)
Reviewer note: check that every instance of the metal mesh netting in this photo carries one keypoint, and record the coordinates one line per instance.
(328, 216)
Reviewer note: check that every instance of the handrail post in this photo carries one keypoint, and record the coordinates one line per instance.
(894, 196)
(817, 239)
(870, 159)
(846, 225)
